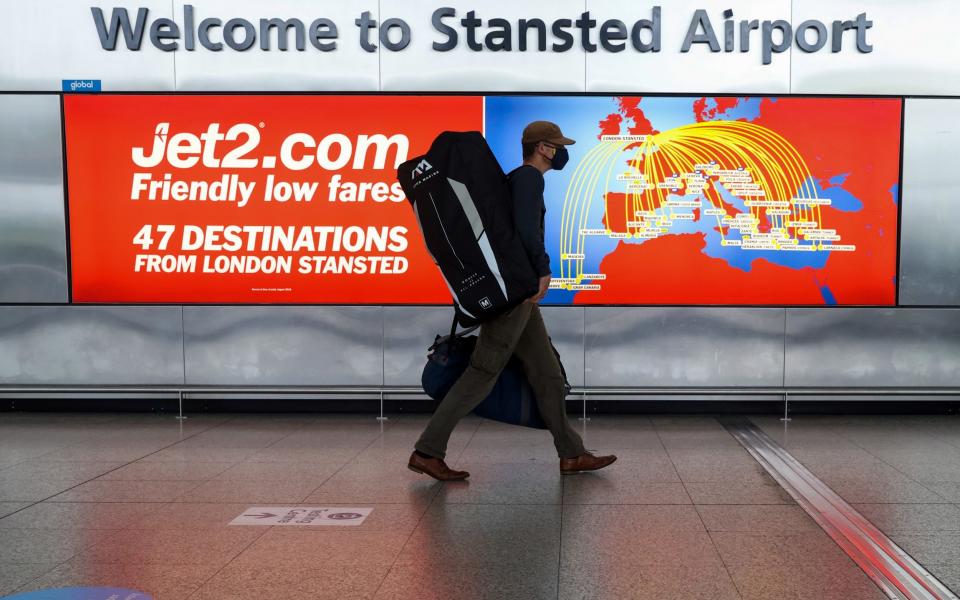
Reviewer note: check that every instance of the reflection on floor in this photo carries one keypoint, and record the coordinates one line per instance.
(133, 501)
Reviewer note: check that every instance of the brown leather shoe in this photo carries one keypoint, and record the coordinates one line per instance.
(435, 467)
(585, 462)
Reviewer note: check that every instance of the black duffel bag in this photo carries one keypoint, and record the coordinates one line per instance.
(461, 199)
(510, 401)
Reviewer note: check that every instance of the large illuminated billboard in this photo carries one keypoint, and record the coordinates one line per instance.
(685, 200)
(666, 200)
(251, 199)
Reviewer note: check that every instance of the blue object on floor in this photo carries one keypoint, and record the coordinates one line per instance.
(510, 401)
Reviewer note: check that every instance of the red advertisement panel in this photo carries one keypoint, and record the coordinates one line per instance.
(251, 199)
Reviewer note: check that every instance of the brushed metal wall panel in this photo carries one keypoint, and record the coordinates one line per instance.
(696, 71)
(47, 41)
(684, 346)
(868, 347)
(283, 345)
(420, 67)
(915, 49)
(346, 68)
(33, 253)
(929, 245)
(565, 326)
(86, 345)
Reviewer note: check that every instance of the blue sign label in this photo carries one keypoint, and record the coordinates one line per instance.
(81, 85)
(82, 593)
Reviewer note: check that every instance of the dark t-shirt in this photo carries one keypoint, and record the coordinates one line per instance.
(526, 185)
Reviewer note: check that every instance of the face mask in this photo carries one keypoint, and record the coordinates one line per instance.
(560, 158)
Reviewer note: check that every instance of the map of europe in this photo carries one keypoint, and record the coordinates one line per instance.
(716, 200)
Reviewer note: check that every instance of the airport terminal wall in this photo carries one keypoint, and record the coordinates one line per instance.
(62, 324)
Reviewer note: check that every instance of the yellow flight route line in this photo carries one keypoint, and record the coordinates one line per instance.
(773, 187)
(763, 150)
(804, 186)
(668, 164)
(568, 206)
(774, 167)
(745, 159)
(648, 170)
(794, 163)
(586, 187)
(679, 153)
(689, 147)
(662, 192)
(784, 148)
(633, 196)
(573, 188)
(773, 163)
(806, 183)
(645, 197)
(569, 218)
(614, 153)
(790, 159)
(611, 159)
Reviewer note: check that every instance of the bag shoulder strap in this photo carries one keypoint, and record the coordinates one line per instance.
(453, 330)
(453, 326)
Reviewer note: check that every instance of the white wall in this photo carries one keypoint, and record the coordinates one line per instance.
(915, 52)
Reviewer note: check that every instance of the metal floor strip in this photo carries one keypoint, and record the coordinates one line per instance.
(893, 570)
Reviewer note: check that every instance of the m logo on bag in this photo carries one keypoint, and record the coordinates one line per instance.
(485, 302)
(422, 167)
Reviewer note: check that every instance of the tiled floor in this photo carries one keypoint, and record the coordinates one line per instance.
(902, 474)
(135, 501)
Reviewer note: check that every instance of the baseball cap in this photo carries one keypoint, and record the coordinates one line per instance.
(544, 131)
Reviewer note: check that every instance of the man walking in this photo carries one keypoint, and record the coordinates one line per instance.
(519, 331)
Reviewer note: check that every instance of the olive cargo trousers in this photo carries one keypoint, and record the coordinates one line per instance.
(521, 332)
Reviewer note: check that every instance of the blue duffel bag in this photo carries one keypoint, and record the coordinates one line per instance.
(510, 401)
